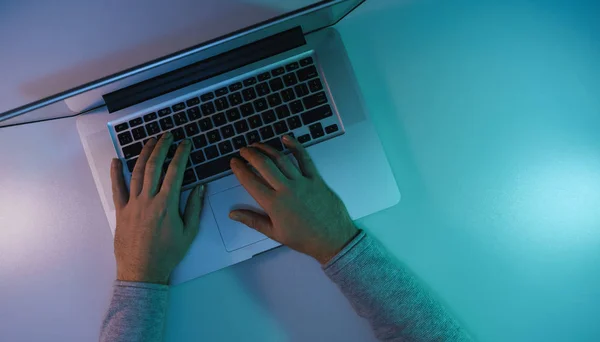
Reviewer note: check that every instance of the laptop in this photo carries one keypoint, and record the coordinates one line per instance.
(289, 75)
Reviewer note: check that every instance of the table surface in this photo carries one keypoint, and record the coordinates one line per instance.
(489, 115)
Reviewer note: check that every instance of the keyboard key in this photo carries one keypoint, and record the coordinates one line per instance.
(236, 86)
(205, 124)
(207, 97)
(131, 164)
(227, 131)
(178, 107)
(250, 81)
(274, 100)
(292, 66)
(306, 61)
(276, 84)
(294, 122)
(249, 94)
(189, 177)
(263, 89)
(222, 91)
(288, 95)
(280, 127)
(268, 117)
(166, 123)
(208, 108)
(192, 129)
(290, 79)
(221, 103)
(241, 126)
(152, 128)
(301, 90)
(314, 100)
(200, 141)
(192, 102)
(214, 167)
(316, 130)
(211, 152)
(233, 114)
(197, 157)
(235, 98)
(331, 129)
(180, 118)
(296, 107)
(282, 111)
(213, 136)
(164, 112)
(133, 150)
(307, 73)
(194, 113)
(150, 117)
(219, 119)
(178, 134)
(275, 143)
(264, 76)
(125, 138)
(172, 151)
(121, 127)
(316, 114)
(139, 133)
(304, 138)
(255, 121)
(225, 147)
(315, 85)
(252, 137)
(266, 132)
(136, 122)
(278, 71)
(239, 142)
(260, 105)
(247, 109)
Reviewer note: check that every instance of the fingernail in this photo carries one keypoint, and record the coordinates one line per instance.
(200, 190)
(168, 135)
(234, 216)
(186, 142)
(287, 138)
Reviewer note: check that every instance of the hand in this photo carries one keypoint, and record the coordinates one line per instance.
(302, 211)
(151, 236)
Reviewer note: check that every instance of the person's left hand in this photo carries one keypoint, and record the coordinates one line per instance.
(151, 236)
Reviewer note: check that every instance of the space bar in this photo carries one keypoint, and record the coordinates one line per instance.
(214, 167)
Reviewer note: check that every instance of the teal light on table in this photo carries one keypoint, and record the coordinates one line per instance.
(489, 113)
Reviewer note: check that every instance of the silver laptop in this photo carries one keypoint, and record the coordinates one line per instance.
(289, 75)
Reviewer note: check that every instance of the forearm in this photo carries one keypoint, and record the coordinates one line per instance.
(389, 296)
(136, 313)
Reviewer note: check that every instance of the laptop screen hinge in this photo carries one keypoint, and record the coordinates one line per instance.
(204, 69)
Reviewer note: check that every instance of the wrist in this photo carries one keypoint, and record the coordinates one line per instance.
(141, 277)
(333, 248)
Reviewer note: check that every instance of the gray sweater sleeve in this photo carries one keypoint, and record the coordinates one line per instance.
(388, 295)
(136, 313)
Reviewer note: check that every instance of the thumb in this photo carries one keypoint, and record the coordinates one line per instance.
(260, 222)
(191, 215)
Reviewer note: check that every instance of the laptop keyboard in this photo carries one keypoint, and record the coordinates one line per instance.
(288, 99)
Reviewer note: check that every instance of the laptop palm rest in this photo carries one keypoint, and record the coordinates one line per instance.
(235, 235)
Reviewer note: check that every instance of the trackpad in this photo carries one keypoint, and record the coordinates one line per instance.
(235, 235)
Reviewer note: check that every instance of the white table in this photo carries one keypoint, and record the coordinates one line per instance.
(489, 114)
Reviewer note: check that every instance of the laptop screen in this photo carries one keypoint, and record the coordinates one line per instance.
(89, 96)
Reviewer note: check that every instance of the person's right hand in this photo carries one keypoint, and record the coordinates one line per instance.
(303, 213)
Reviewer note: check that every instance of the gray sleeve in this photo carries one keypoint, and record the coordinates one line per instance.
(388, 295)
(136, 313)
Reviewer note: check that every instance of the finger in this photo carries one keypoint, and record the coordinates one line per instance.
(137, 177)
(174, 177)
(191, 215)
(307, 166)
(265, 167)
(259, 222)
(155, 164)
(119, 188)
(281, 160)
(255, 186)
